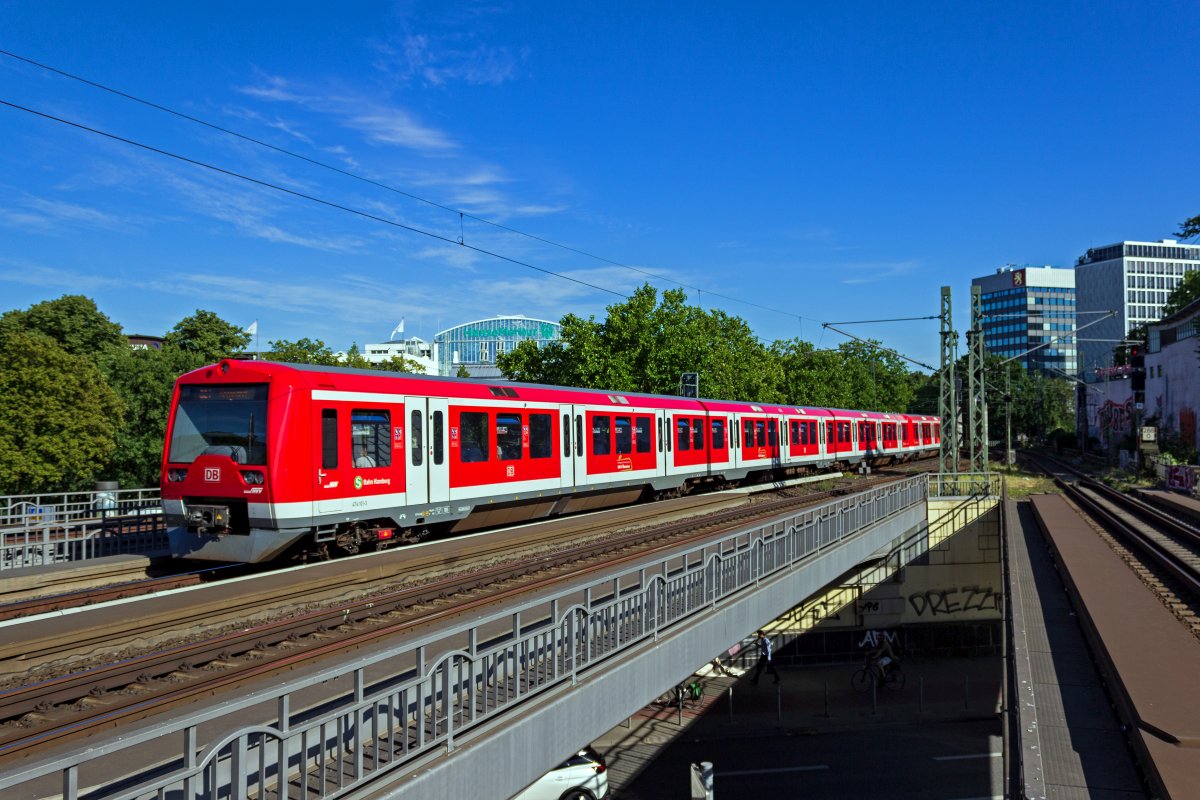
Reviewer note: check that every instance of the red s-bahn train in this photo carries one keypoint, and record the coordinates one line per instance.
(265, 459)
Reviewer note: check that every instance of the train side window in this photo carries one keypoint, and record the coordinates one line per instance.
(641, 434)
(566, 436)
(794, 428)
(760, 433)
(329, 438)
(683, 439)
(414, 437)
(624, 429)
(541, 436)
(660, 436)
(772, 433)
(439, 436)
(371, 436)
(747, 433)
(508, 437)
(601, 435)
(473, 427)
(718, 434)
(698, 434)
(579, 434)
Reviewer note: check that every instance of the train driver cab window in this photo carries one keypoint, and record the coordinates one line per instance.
(697, 434)
(623, 427)
(641, 434)
(683, 439)
(601, 435)
(416, 440)
(508, 437)
(371, 437)
(718, 434)
(473, 429)
(541, 436)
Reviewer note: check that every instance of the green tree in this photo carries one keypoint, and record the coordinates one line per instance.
(145, 382)
(58, 417)
(302, 351)
(855, 375)
(1189, 228)
(644, 346)
(1187, 291)
(463, 372)
(207, 335)
(73, 321)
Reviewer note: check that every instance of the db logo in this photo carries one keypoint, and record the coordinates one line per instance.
(510, 470)
(212, 474)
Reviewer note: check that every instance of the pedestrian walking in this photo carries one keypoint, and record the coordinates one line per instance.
(763, 643)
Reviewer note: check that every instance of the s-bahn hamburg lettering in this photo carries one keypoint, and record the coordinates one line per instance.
(346, 460)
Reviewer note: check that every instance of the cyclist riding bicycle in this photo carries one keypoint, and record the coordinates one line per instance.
(882, 659)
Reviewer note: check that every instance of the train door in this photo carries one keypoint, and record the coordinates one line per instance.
(662, 444)
(416, 450)
(437, 452)
(428, 458)
(566, 466)
(330, 463)
(580, 435)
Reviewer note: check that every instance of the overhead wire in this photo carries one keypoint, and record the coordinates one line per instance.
(315, 162)
(303, 195)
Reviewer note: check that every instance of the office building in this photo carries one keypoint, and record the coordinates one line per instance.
(1029, 315)
(1131, 278)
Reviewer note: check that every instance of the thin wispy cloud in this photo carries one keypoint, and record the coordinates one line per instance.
(55, 279)
(49, 216)
(874, 272)
(385, 123)
(438, 60)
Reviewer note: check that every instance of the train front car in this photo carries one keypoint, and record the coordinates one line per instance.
(225, 464)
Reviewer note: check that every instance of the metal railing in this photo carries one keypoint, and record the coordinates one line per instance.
(965, 484)
(41, 529)
(459, 677)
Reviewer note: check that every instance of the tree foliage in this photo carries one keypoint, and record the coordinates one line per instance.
(1189, 228)
(58, 417)
(1187, 291)
(301, 351)
(73, 321)
(645, 346)
(144, 380)
(208, 336)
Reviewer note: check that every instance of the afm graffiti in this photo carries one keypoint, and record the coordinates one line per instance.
(956, 600)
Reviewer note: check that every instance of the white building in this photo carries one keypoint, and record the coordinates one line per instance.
(413, 349)
(1132, 279)
(1172, 395)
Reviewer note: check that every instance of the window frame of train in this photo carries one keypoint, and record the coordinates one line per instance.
(371, 429)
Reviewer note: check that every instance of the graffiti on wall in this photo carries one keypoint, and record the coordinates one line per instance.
(873, 637)
(954, 600)
(1115, 419)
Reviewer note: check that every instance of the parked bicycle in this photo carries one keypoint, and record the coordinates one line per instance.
(685, 695)
(866, 676)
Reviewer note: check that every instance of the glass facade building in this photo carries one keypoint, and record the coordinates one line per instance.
(475, 345)
(1031, 307)
(1133, 279)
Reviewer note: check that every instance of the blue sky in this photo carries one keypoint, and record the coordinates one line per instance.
(821, 161)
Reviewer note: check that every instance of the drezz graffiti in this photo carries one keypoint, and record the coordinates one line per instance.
(954, 600)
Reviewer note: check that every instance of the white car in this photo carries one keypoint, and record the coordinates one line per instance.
(583, 776)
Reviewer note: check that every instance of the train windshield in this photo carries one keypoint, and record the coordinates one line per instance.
(229, 420)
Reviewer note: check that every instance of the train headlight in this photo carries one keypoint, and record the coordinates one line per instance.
(252, 477)
(176, 475)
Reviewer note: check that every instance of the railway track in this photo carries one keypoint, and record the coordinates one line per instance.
(1161, 548)
(465, 575)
